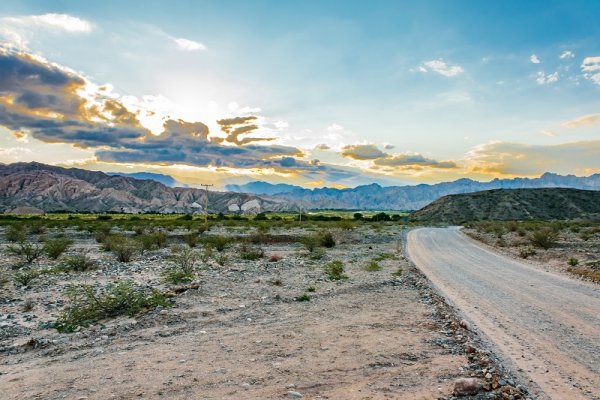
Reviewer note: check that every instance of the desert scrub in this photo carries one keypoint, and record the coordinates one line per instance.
(152, 241)
(572, 261)
(25, 276)
(29, 252)
(335, 270)
(372, 266)
(217, 242)
(184, 259)
(303, 297)
(15, 233)
(251, 254)
(88, 305)
(123, 248)
(37, 228)
(55, 247)
(526, 252)
(191, 239)
(544, 238)
(78, 263)
(384, 256)
(397, 273)
(326, 240)
(322, 239)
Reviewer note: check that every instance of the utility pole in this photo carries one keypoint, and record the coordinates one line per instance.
(206, 186)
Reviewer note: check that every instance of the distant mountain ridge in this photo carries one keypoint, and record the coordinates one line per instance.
(512, 204)
(52, 188)
(166, 180)
(376, 197)
(260, 187)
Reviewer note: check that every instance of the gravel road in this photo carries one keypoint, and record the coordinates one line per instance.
(546, 325)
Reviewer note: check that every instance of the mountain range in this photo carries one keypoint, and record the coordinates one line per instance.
(376, 197)
(52, 188)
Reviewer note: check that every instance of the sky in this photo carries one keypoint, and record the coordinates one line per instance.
(313, 93)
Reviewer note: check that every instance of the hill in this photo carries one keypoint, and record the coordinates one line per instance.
(512, 204)
(51, 189)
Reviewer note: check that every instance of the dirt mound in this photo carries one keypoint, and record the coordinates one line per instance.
(512, 204)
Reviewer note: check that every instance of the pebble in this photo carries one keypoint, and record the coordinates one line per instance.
(295, 395)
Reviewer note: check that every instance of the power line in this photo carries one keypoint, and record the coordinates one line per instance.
(206, 186)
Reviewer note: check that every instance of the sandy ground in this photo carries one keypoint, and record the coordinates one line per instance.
(242, 335)
(546, 324)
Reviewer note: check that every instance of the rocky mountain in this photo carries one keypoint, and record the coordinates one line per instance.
(515, 204)
(51, 188)
(259, 187)
(376, 197)
(166, 180)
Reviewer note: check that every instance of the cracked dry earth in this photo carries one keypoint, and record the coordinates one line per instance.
(546, 324)
(242, 335)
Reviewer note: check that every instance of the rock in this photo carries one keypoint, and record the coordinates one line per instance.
(464, 324)
(466, 386)
(294, 395)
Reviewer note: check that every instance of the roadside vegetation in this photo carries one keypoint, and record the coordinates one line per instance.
(573, 246)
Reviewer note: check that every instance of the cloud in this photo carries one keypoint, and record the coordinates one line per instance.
(534, 59)
(17, 31)
(518, 159)
(566, 54)
(544, 79)
(362, 152)
(441, 68)
(388, 146)
(334, 128)
(586, 120)
(188, 45)
(322, 146)
(591, 69)
(56, 105)
(412, 161)
(548, 133)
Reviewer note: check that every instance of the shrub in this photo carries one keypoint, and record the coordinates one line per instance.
(88, 305)
(3, 279)
(30, 252)
(345, 225)
(544, 238)
(37, 228)
(218, 242)
(372, 266)
(151, 241)
(512, 226)
(311, 289)
(15, 233)
(25, 276)
(573, 261)
(326, 240)
(28, 305)
(311, 242)
(55, 247)
(398, 272)
(304, 297)
(384, 256)
(78, 262)
(335, 270)
(526, 252)
(191, 239)
(317, 254)
(252, 254)
(103, 217)
(222, 259)
(125, 249)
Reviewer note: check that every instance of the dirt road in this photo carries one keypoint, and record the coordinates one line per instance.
(547, 325)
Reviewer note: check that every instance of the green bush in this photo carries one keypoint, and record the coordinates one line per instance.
(326, 240)
(304, 297)
(217, 242)
(151, 241)
(78, 263)
(37, 228)
(573, 261)
(28, 251)
(544, 238)
(15, 233)
(123, 248)
(25, 276)
(251, 254)
(311, 242)
(191, 239)
(335, 270)
(526, 252)
(55, 247)
(88, 305)
(372, 266)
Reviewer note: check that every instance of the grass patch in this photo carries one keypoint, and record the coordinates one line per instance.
(335, 270)
(372, 266)
(88, 305)
(54, 248)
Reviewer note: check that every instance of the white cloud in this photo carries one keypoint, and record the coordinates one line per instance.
(534, 59)
(281, 124)
(441, 68)
(591, 68)
(544, 79)
(334, 127)
(188, 45)
(548, 133)
(567, 54)
(17, 31)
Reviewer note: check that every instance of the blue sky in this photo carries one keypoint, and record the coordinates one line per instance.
(391, 92)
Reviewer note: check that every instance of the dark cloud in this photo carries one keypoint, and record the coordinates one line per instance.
(322, 146)
(238, 126)
(412, 161)
(362, 152)
(44, 101)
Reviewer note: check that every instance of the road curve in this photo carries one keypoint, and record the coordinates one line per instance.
(548, 325)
